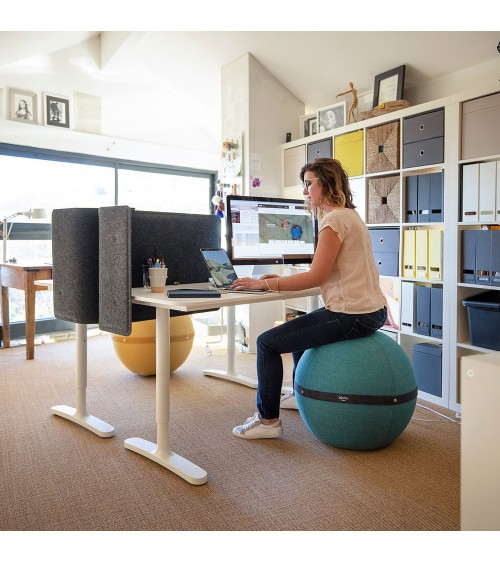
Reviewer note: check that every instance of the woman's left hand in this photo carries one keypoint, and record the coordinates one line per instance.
(247, 283)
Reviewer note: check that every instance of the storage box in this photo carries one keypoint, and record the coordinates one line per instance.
(382, 148)
(480, 126)
(319, 149)
(349, 152)
(383, 200)
(484, 319)
(385, 248)
(423, 139)
(294, 160)
(428, 368)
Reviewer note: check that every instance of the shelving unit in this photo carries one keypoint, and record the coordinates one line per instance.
(443, 119)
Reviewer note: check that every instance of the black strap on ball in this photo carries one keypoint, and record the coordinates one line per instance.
(351, 399)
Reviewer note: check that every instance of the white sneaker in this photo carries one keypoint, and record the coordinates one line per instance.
(253, 429)
(288, 401)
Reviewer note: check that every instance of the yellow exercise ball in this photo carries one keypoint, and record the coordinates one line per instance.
(137, 352)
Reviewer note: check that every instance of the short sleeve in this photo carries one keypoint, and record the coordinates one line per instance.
(335, 223)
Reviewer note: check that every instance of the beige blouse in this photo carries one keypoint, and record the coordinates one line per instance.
(353, 285)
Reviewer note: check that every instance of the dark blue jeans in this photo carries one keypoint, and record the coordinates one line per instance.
(307, 331)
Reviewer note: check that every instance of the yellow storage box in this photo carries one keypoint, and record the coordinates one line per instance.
(349, 151)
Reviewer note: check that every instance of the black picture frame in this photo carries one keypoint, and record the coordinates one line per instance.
(56, 111)
(389, 86)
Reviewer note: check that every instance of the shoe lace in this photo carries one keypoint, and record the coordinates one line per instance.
(251, 421)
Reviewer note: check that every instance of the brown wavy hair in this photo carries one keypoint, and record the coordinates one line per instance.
(333, 179)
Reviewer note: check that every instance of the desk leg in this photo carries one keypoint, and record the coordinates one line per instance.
(29, 307)
(230, 374)
(5, 318)
(161, 453)
(79, 415)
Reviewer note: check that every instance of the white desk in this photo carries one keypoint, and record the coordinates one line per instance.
(160, 452)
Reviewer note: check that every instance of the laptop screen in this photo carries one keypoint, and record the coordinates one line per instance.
(219, 266)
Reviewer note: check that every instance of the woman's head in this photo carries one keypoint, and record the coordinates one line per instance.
(332, 179)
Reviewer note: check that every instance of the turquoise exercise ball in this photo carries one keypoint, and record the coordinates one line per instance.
(357, 394)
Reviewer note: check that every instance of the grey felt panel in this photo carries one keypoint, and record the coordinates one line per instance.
(115, 278)
(127, 238)
(75, 271)
(176, 237)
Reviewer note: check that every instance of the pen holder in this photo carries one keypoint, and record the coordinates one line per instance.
(158, 279)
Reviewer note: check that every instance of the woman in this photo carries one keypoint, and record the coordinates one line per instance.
(23, 111)
(343, 267)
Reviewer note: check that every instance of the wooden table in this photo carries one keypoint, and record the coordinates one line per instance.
(22, 276)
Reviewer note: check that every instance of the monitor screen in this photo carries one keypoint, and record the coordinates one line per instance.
(266, 230)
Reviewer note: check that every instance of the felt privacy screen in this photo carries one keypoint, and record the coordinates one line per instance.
(75, 270)
(382, 148)
(128, 238)
(383, 200)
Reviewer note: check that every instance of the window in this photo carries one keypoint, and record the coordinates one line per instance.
(36, 178)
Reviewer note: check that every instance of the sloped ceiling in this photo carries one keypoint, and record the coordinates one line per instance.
(184, 67)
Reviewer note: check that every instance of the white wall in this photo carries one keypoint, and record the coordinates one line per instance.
(135, 125)
(258, 107)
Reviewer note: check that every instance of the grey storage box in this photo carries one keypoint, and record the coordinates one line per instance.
(423, 139)
(427, 363)
(484, 319)
(385, 247)
(319, 149)
(387, 263)
(480, 127)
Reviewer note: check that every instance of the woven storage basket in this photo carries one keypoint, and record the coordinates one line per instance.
(383, 200)
(382, 148)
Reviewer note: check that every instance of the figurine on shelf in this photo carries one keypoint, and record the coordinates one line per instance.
(354, 102)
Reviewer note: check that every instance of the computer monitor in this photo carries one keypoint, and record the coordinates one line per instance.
(268, 230)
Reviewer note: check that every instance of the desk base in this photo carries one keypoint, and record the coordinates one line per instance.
(95, 425)
(177, 464)
(220, 374)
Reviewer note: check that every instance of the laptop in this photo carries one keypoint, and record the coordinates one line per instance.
(222, 271)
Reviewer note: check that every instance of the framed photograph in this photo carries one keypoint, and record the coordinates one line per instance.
(331, 117)
(56, 110)
(389, 86)
(308, 125)
(23, 106)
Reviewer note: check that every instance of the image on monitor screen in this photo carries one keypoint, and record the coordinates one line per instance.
(264, 230)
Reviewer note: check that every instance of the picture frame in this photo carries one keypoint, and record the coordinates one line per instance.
(331, 117)
(56, 110)
(308, 125)
(23, 106)
(389, 86)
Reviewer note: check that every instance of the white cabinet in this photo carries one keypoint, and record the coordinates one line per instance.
(469, 198)
(480, 454)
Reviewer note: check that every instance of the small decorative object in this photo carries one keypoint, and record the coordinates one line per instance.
(354, 101)
(331, 117)
(218, 200)
(389, 86)
(23, 106)
(256, 182)
(384, 108)
(56, 111)
(288, 137)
